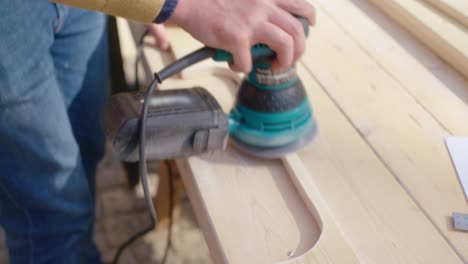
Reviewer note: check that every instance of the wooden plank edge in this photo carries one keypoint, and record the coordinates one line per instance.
(448, 49)
(331, 240)
(214, 245)
(451, 11)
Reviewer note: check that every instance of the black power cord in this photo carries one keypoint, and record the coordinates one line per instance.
(172, 69)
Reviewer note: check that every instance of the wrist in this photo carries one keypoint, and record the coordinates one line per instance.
(179, 13)
(167, 11)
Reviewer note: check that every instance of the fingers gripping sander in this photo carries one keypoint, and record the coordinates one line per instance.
(272, 115)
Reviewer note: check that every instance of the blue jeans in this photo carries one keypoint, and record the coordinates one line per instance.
(53, 83)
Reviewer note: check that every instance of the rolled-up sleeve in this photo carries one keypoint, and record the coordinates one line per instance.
(146, 11)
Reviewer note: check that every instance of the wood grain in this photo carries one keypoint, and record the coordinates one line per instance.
(431, 81)
(240, 204)
(369, 204)
(338, 165)
(331, 246)
(404, 136)
(439, 33)
(457, 9)
(252, 211)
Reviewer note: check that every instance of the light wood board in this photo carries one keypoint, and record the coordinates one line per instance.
(331, 246)
(439, 33)
(457, 9)
(254, 211)
(431, 81)
(402, 133)
(369, 237)
(375, 246)
(321, 241)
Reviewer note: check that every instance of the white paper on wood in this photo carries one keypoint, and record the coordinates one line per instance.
(458, 149)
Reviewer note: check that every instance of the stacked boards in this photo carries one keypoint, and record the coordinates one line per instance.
(441, 24)
(376, 186)
(456, 9)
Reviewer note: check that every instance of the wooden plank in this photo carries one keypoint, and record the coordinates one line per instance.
(251, 213)
(128, 49)
(372, 209)
(372, 222)
(162, 200)
(331, 244)
(426, 77)
(252, 194)
(446, 39)
(402, 133)
(380, 221)
(374, 245)
(331, 247)
(457, 9)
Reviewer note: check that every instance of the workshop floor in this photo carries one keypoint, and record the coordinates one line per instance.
(121, 212)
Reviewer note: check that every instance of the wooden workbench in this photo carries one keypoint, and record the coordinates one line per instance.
(377, 185)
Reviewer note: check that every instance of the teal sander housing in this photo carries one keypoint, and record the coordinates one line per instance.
(272, 115)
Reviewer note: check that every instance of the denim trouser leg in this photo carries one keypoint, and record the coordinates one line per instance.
(52, 86)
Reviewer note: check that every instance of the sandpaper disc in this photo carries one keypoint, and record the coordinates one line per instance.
(274, 153)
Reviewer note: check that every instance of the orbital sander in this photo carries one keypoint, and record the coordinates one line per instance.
(272, 114)
(272, 117)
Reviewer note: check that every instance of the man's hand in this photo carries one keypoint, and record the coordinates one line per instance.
(237, 25)
(158, 31)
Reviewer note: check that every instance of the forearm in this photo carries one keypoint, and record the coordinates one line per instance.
(146, 11)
